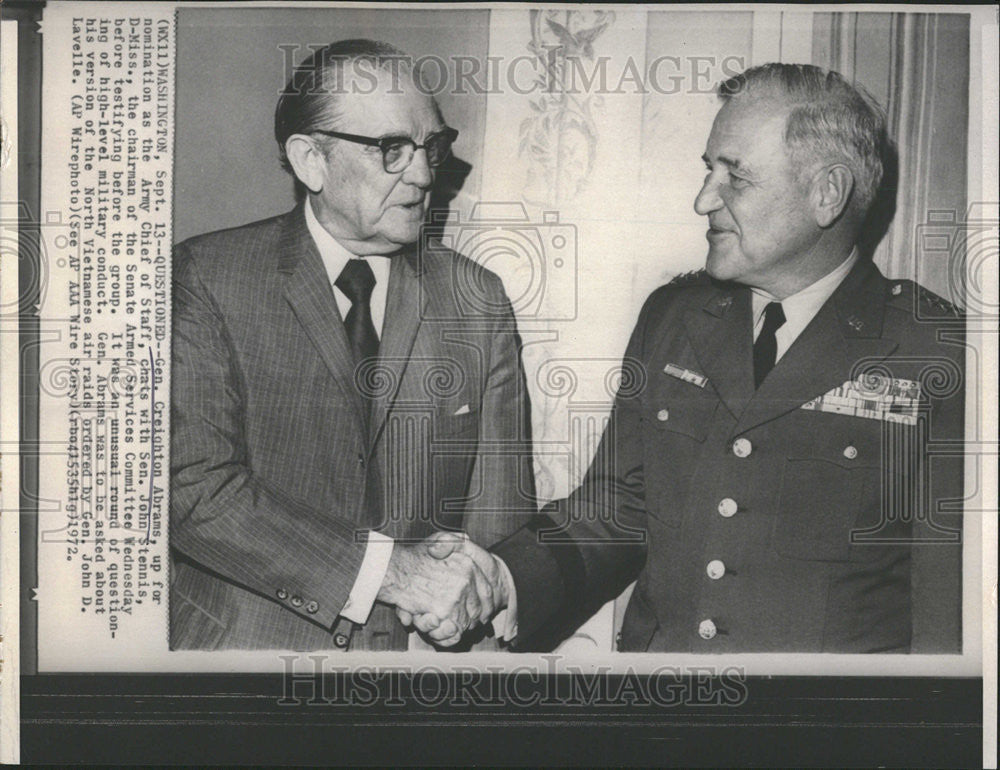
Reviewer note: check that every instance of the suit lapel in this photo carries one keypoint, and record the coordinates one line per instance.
(845, 335)
(720, 335)
(308, 292)
(403, 312)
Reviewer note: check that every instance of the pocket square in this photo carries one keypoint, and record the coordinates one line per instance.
(463, 409)
(873, 397)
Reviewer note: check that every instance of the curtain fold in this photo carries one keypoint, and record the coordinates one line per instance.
(917, 66)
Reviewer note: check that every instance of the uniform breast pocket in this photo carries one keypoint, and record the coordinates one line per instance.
(679, 409)
(826, 497)
(675, 423)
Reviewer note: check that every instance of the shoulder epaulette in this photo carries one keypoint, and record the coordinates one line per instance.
(925, 296)
(688, 278)
(936, 301)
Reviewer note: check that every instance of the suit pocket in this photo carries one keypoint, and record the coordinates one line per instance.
(448, 424)
(823, 501)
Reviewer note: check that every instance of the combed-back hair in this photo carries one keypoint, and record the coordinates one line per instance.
(830, 120)
(311, 98)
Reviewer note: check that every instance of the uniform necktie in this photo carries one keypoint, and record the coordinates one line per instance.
(357, 280)
(765, 349)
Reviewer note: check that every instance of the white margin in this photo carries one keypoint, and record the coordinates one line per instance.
(984, 52)
(10, 646)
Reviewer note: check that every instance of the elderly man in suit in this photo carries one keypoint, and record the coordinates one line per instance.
(339, 393)
(790, 478)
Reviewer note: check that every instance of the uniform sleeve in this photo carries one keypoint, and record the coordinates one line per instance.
(584, 550)
(224, 517)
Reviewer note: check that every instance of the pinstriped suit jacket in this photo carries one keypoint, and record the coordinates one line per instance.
(277, 475)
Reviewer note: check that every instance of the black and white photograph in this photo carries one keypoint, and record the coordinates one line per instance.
(550, 370)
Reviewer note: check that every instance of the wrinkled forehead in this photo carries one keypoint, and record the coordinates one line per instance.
(377, 102)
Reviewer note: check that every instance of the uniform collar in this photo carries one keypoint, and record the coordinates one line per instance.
(800, 308)
(860, 301)
(846, 329)
(857, 297)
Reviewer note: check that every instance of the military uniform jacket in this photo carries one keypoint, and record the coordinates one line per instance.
(820, 513)
(277, 472)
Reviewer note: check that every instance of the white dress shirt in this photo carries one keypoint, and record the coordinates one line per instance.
(335, 258)
(800, 308)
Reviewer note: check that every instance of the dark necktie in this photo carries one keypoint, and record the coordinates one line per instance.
(357, 280)
(765, 349)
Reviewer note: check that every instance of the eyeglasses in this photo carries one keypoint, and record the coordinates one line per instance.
(398, 151)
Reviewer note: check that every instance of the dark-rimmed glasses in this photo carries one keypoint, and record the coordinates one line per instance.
(398, 151)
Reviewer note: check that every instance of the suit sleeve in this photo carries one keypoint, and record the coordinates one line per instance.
(584, 550)
(503, 475)
(223, 516)
(936, 568)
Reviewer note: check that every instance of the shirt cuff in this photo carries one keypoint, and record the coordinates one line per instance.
(505, 621)
(369, 580)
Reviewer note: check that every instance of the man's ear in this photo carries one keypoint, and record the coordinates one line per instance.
(307, 161)
(831, 191)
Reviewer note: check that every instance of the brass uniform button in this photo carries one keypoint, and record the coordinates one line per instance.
(742, 447)
(727, 507)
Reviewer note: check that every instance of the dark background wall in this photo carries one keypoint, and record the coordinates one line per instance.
(230, 71)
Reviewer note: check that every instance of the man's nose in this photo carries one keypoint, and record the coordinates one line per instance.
(708, 199)
(419, 173)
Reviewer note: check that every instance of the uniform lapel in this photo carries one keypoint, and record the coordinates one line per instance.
(845, 335)
(720, 335)
(403, 312)
(308, 291)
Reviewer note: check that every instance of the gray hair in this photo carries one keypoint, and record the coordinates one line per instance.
(830, 119)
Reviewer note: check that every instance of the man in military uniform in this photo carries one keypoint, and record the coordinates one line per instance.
(788, 478)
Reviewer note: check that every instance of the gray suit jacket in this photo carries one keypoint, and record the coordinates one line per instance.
(277, 475)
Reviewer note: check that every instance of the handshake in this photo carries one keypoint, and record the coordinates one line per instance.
(444, 585)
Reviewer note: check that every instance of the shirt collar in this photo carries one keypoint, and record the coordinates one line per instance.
(801, 307)
(333, 254)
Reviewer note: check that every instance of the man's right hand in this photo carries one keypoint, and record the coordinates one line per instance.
(446, 632)
(437, 586)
